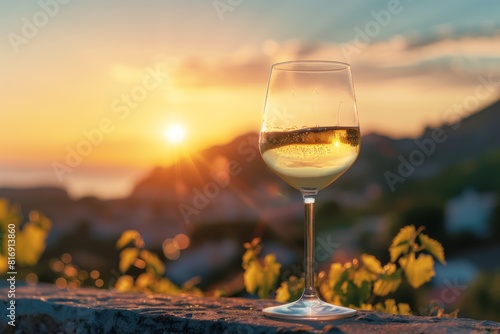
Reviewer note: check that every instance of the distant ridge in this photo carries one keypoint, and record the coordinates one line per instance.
(230, 182)
(468, 139)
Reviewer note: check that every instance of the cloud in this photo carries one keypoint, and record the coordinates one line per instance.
(449, 61)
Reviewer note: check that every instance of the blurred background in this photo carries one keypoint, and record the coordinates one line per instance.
(123, 115)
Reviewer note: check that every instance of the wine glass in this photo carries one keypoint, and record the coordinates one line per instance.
(309, 137)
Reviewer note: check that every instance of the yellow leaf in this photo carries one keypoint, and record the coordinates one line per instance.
(334, 274)
(153, 263)
(248, 257)
(144, 281)
(272, 270)
(164, 285)
(282, 293)
(360, 276)
(404, 235)
(124, 283)
(390, 306)
(127, 257)
(404, 309)
(389, 268)
(30, 244)
(401, 242)
(327, 292)
(386, 284)
(371, 263)
(379, 307)
(130, 236)
(417, 271)
(433, 247)
(366, 307)
(271, 264)
(253, 276)
(40, 220)
(396, 251)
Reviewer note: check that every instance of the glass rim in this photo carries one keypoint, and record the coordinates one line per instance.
(311, 66)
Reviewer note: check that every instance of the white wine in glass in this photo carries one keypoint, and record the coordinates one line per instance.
(309, 137)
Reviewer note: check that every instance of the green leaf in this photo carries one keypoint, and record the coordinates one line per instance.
(351, 294)
(401, 242)
(340, 286)
(354, 296)
(127, 257)
(417, 271)
(433, 247)
(129, 236)
(364, 292)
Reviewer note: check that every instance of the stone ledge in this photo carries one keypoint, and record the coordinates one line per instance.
(46, 309)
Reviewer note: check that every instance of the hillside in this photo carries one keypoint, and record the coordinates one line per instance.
(231, 182)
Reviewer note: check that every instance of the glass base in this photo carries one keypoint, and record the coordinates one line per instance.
(309, 309)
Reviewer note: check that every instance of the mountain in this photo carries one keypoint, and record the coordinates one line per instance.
(384, 163)
(394, 163)
(231, 183)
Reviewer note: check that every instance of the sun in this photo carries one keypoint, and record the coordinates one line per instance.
(175, 133)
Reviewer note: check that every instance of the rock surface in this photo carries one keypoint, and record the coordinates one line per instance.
(46, 309)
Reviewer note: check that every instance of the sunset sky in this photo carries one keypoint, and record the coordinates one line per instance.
(108, 78)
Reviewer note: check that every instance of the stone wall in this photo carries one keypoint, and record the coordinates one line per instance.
(46, 309)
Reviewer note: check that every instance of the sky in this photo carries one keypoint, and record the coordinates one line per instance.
(89, 88)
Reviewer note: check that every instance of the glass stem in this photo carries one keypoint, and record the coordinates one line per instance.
(309, 289)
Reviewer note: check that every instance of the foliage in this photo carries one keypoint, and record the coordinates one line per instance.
(360, 283)
(260, 275)
(482, 298)
(151, 268)
(434, 309)
(29, 237)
